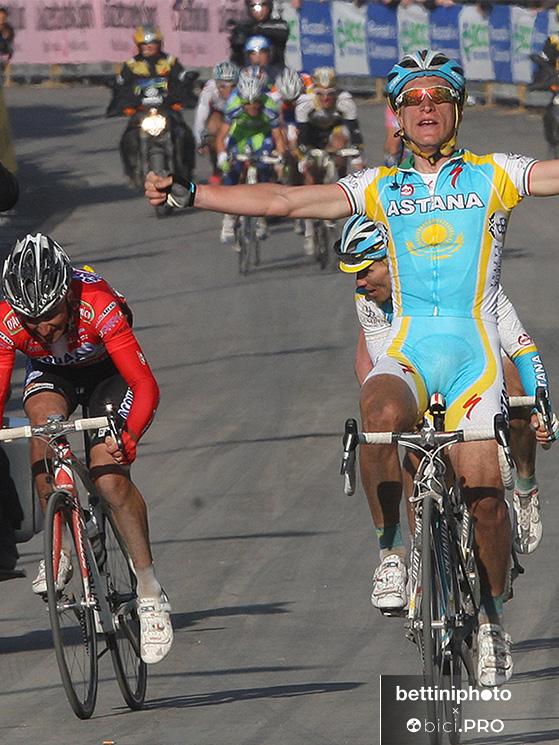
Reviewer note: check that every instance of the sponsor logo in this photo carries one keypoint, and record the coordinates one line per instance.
(126, 404)
(70, 358)
(111, 323)
(87, 313)
(6, 339)
(89, 278)
(13, 323)
(407, 190)
(436, 202)
(455, 173)
(470, 404)
(498, 222)
(106, 312)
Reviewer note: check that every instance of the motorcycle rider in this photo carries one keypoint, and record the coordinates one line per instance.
(152, 74)
(259, 23)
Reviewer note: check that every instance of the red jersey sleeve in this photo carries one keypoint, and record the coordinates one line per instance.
(7, 356)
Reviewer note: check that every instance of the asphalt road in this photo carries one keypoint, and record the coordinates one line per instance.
(266, 561)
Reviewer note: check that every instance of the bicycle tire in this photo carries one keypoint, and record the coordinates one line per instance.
(431, 604)
(71, 610)
(124, 643)
(320, 243)
(246, 240)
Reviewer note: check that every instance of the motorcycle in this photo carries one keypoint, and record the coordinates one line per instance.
(546, 78)
(157, 138)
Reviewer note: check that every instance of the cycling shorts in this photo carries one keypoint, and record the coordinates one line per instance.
(458, 357)
(92, 386)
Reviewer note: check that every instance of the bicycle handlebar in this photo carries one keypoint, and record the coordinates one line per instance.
(255, 158)
(53, 427)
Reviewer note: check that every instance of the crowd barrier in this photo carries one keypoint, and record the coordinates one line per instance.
(84, 38)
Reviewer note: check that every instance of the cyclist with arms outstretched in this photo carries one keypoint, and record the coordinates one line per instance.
(362, 251)
(75, 332)
(445, 211)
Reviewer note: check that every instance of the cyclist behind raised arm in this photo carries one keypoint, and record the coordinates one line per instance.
(362, 250)
(251, 119)
(326, 119)
(75, 331)
(259, 23)
(258, 51)
(445, 211)
(208, 116)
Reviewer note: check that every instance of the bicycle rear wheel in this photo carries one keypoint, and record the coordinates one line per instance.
(124, 644)
(71, 607)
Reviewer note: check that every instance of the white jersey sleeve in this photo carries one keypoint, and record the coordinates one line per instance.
(354, 186)
(374, 323)
(303, 107)
(518, 168)
(207, 100)
(346, 105)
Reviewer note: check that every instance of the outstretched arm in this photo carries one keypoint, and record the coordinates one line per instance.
(324, 201)
(544, 178)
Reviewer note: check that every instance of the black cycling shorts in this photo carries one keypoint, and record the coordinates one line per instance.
(92, 386)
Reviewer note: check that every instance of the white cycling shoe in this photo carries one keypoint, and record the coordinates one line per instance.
(527, 529)
(156, 630)
(65, 572)
(389, 585)
(494, 659)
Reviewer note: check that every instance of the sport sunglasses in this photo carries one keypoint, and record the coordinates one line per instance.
(437, 94)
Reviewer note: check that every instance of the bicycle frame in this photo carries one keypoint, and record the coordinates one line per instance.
(97, 592)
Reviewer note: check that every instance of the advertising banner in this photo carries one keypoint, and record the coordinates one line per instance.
(317, 37)
(493, 43)
(382, 39)
(473, 25)
(349, 24)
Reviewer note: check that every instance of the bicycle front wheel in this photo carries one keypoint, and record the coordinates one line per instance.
(432, 613)
(124, 644)
(71, 607)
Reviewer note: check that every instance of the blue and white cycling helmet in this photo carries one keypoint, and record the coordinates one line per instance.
(257, 44)
(362, 243)
(424, 64)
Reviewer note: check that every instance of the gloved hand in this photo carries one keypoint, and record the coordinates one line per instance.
(223, 163)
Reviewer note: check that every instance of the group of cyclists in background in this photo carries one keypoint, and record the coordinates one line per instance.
(76, 330)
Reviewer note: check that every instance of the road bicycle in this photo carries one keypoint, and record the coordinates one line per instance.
(444, 589)
(98, 603)
(247, 242)
(325, 163)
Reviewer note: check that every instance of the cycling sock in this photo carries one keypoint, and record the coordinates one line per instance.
(148, 584)
(491, 608)
(525, 485)
(390, 541)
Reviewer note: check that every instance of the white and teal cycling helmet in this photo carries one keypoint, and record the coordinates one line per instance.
(424, 64)
(226, 72)
(362, 243)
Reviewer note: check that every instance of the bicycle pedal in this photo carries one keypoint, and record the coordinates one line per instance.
(394, 612)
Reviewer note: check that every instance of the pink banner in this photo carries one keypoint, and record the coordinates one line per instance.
(82, 31)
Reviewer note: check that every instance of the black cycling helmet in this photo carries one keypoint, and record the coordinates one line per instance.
(36, 275)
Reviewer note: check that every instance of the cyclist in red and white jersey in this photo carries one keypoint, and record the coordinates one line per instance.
(75, 332)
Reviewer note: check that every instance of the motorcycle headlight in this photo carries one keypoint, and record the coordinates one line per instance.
(154, 124)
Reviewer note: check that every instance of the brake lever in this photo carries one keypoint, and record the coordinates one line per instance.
(115, 431)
